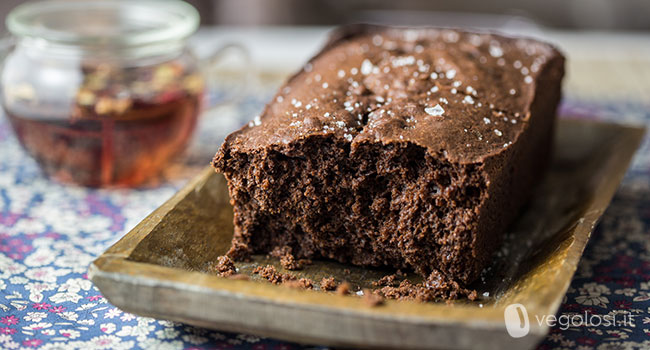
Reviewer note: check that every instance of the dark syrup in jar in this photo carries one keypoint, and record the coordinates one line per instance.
(112, 138)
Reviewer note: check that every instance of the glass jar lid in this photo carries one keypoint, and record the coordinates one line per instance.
(104, 23)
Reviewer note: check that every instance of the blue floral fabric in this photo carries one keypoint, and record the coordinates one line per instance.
(50, 233)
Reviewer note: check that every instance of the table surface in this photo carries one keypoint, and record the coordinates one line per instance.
(49, 233)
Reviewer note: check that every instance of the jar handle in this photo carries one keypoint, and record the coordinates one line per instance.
(223, 94)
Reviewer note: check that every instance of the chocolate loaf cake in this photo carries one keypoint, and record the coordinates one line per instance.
(408, 148)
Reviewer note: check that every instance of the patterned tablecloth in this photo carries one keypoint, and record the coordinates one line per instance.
(50, 233)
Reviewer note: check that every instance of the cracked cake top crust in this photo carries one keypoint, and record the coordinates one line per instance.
(464, 96)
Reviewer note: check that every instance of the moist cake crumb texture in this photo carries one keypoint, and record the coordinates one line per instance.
(328, 284)
(225, 267)
(272, 275)
(302, 283)
(408, 148)
(435, 287)
(343, 289)
(288, 260)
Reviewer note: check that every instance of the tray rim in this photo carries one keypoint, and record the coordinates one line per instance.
(113, 266)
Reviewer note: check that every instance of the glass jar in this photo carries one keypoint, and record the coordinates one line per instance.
(102, 93)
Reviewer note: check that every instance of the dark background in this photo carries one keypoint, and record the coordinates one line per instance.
(562, 14)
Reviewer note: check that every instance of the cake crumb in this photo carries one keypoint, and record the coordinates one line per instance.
(372, 299)
(435, 287)
(303, 283)
(225, 267)
(239, 251)
(388, 280)
(272, 275)
(328, 283)
(288, 260)
(343, 289)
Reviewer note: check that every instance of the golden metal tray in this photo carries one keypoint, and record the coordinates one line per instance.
(160, 268)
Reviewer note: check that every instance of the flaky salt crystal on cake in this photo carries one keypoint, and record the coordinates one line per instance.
(409, 148)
